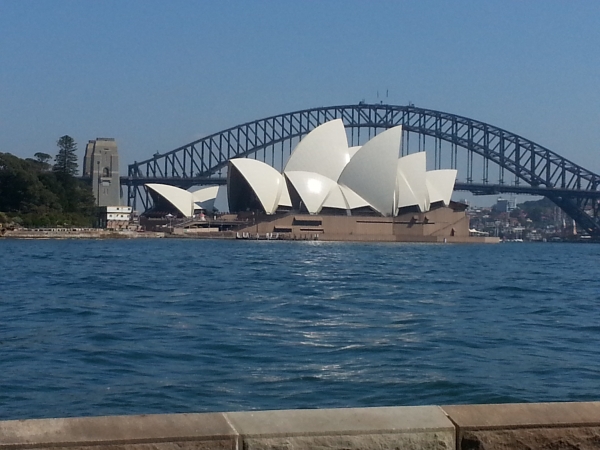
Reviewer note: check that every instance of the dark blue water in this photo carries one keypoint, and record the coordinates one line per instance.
(159, 326)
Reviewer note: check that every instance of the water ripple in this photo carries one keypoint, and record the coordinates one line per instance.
(158, 326)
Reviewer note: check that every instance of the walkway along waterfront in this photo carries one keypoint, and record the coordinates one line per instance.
(462, 427)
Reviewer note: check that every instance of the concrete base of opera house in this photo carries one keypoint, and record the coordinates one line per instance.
(490, 427)
(444, 224)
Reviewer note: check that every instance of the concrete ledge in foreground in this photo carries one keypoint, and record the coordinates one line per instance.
(527, 426)
(419, 427)
(490, 427)
(159, 432)
(416, 427)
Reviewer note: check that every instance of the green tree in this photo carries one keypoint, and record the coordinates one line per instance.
(43, 159)
(41, 162)
(42, 198)
(20, 188)
(65, 161)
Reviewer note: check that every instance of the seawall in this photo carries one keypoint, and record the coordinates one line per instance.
(500, 426)
(75, 233)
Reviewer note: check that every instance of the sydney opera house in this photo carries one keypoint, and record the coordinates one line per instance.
(331, 191)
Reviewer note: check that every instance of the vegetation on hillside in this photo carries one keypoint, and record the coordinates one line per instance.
(539, 212)
(33, 195)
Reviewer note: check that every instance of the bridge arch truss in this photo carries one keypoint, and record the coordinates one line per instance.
(490, 160)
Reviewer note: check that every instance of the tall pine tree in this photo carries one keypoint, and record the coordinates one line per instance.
(65, 161)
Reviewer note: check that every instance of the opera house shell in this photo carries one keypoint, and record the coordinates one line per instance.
(359, 191)
(179, 202)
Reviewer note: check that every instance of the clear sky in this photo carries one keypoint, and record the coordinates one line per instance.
(156, 75)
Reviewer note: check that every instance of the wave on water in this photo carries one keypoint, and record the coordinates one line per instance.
(159, 326)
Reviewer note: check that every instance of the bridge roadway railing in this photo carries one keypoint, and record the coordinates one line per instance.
(501, 426)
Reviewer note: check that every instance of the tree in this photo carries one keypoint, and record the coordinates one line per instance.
(65, 161)
(41, 161)
(41, 198)
(42, 157)
(20, 188)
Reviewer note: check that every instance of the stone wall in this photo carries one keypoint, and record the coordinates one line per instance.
(490, 427)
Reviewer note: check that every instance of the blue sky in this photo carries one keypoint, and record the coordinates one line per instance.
(156, 75)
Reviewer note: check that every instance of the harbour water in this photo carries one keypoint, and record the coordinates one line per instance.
(165, 326)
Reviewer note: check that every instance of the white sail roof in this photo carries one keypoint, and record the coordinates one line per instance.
(202, 193)
(312, 188)
(404, 193)
(335, 199)
(266, 182)
(372, 171)
(440, 184)
(324, 151)
(411, 186)
(181, 199)
(352, 151)
(325, 172)
(353, 200)
(204, 196)
(221, 201)
(284, 199)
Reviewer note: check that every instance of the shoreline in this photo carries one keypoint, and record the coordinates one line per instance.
(77, 233)
(96, 233)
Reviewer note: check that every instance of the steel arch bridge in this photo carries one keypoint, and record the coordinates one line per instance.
(502, 161)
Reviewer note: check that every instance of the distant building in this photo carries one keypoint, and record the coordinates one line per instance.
(101, 164)
(505, 205)
(114, 217)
